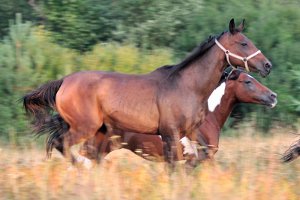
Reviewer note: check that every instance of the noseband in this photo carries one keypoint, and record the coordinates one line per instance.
(244, 59)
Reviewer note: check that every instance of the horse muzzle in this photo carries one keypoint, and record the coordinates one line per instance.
(270, 100)
(265, 69)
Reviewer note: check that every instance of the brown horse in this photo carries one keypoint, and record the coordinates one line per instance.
(170, 101)
(238, 87)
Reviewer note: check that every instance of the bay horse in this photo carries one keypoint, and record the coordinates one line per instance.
(169, 101)
(237, 87)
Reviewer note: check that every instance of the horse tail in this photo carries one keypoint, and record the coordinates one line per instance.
(55, 127)
(292, 153)
(42, 99)
(40, 104)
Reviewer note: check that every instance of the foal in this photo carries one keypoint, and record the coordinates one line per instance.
(238, 87)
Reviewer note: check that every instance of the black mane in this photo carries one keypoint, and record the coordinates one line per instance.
(196, 53)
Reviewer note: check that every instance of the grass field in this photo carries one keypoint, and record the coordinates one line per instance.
(246, 167)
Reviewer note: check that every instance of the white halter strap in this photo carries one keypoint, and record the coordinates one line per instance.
(244, 59)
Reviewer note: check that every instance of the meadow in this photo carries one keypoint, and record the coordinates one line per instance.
(247, 166)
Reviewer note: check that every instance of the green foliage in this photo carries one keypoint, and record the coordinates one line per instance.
(125, 58)
(9, 8)
(28, 59)
(77, 24)
(137, 36)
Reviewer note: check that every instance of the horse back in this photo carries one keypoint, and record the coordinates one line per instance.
(128, 102)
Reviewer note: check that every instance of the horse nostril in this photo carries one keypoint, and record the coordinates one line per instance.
(268, 65)
(274, 95)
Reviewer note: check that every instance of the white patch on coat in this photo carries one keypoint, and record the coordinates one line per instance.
(215, 98)
(189, 147)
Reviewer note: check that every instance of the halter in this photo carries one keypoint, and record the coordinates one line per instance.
(244, 59)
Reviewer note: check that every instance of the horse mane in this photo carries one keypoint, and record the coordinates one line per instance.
(196, 53)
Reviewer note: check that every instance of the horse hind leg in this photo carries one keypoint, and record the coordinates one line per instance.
(96, 145)
(75, 136)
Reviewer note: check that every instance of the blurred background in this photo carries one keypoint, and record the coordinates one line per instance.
(43, 40)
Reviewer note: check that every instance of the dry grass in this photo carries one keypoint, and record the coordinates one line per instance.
(246, 167)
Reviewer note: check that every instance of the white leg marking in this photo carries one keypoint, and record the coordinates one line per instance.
(87, 163)
(189, 147)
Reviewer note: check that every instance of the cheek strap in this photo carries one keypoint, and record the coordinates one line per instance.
(244, 59)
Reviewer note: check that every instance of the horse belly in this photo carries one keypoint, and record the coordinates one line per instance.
(129, 122)
(131, 106)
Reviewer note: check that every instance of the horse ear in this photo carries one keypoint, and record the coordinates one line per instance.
(234, 74)
(241, 26)
(232, 26)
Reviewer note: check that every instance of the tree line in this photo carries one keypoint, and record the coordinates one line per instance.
(42, 40)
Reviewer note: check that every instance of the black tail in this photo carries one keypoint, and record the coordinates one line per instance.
(42, 99)
(292, 153)
(55, 127)
(40, 104)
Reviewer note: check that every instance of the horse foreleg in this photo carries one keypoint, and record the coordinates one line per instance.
(172, 147)
(203, 150)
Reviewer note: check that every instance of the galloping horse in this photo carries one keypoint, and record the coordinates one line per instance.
(169, 101)
(237, 87)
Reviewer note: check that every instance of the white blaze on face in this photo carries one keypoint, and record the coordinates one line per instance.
(250, 76)
(215, 98)
(189, 147)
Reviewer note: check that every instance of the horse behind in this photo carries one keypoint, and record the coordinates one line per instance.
(237, 87)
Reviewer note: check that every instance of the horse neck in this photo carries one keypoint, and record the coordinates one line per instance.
(205, 71)
(223, 110)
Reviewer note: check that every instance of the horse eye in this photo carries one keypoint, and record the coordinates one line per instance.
(247, 82)
(244, 44)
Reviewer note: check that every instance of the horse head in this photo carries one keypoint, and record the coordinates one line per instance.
(240, 51)
(248, 90)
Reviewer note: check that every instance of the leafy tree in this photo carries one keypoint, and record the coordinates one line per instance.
(27, 59)
(9, 8)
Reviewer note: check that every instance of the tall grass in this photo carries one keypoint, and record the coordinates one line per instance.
(246, 167)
